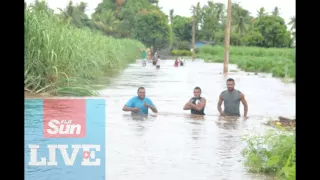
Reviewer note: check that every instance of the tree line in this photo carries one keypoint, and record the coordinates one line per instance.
(145, 21)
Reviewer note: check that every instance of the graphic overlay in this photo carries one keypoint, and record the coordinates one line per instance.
(65, 139)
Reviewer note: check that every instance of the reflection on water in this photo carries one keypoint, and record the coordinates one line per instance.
(176, 145)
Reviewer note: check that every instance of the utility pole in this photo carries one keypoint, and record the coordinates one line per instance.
(227, 39)
(193, 34)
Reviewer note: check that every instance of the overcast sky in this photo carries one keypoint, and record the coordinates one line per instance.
(182, 7)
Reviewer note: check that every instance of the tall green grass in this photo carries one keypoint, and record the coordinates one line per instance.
(273, 153)
(278, 61)
(62, 59)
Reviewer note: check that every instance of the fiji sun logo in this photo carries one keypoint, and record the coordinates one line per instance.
(64, 130)
(64, 119)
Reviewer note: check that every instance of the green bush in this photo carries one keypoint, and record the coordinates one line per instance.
(278, 61)
(181, 45)
(273, 153)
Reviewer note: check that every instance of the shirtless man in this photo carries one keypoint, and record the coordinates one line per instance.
(197, 103)
(231, 99)
(140, 104)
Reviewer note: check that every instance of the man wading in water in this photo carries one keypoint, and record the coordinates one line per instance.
(231, 99)
(140, 104)
(196, 104)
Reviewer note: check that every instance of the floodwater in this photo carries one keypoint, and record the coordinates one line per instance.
(172, 144)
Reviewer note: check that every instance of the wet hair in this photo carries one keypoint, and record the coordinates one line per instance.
(230, 79)
(197, 88)
(139, 89)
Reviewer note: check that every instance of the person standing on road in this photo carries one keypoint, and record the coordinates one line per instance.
(143, 57)
(231, 99)
(176, 63)
(182, 61)
(140, 104)
(197, 103)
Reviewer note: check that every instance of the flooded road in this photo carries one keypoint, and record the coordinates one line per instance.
(172, 144)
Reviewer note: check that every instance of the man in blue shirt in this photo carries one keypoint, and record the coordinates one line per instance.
(140, 104)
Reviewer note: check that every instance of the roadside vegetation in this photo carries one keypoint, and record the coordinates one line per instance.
(278, 61)
(62, 59)
(273, 153)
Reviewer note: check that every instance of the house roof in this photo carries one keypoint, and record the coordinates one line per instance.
(197, 43)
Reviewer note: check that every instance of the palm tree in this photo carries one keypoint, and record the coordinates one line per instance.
(171, 15)
(219, 11)
(75, 14)
(240, 18)
(261, 12)
(275, 11)
(241, 26)
(41, 5)
(106, 21)
(293, 25)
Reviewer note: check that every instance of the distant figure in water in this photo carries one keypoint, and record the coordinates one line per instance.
(158, 62)
(181, 62)
(176, 63)
(144, 57)
(154, 59)
(197, 103)
(231, 99)
(140, 104)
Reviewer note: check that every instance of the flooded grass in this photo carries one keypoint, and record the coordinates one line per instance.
(63, 60)
(273, 153)
(278, 61)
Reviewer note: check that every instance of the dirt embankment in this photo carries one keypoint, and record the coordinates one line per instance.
(28, 94)
(283, 122)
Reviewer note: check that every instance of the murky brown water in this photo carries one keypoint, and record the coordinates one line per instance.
(173, 145)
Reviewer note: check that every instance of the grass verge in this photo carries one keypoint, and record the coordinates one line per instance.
(63, 59)
(278, 61)
(273, 153)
